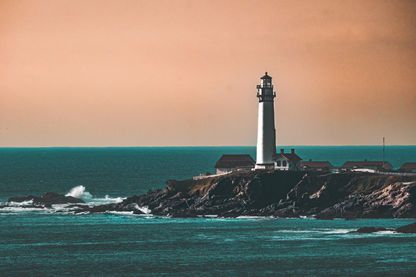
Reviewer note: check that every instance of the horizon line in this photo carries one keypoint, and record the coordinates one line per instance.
(177, 146)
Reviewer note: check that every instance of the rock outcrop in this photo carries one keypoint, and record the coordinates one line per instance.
(47, 199)
(407, 229)
(347, 195)
(368, 230)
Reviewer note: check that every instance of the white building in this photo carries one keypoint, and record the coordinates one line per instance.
(266, 134)
(286, 161)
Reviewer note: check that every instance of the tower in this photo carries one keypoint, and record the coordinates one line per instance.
(266, 134)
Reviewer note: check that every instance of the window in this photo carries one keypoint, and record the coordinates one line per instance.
(278, 163)
(284, 163)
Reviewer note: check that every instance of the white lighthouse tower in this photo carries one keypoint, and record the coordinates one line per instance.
(266, 134)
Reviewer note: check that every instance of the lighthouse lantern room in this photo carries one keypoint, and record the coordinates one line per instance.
(266, 134)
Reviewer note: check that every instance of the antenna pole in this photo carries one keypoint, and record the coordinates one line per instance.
(383, 150)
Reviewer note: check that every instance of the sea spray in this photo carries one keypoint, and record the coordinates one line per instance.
(143, 209)
(24, 203)
(108, 198)
(79, 192)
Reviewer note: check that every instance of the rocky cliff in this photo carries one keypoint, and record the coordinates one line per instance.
(280, 194)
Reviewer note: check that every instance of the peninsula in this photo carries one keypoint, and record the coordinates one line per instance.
(277, 193)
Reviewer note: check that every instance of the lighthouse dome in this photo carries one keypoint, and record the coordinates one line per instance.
(266, 77)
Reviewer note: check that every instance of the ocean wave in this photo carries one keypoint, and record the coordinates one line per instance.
(19, 204)
(80, 192)
(143, 209)
(317, 231)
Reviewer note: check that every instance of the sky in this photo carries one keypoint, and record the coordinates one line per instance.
(184, 73)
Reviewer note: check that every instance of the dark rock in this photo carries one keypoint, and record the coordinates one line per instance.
(280, 194)
(407, 229)
(324, 217)
(78, 206)
(23, 199)
(368, 230)
(32, 207)
(48, 198)
(231, 214)
(184, 214)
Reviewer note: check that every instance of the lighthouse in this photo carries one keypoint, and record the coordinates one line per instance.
(266, 133)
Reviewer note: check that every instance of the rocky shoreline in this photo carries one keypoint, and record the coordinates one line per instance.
(280, 194)
(46, 200)
(347, 195)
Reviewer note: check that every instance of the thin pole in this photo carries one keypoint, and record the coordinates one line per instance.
(384, 145)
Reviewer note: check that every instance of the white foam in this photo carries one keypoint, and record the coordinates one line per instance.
(339, 231)
(308, 217)
(21, 209)
(316, 231)
(250, 217)
(79, 192)
(120, 212)
(24, 203)
(106, 199)
(144, 209)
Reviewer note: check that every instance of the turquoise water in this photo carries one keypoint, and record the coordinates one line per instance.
(53, 242)
(123, 172)
(37, 244)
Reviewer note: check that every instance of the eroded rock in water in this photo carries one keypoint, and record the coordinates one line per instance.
(347, 195)
(48, 198)
(368, 230)
(408, 229)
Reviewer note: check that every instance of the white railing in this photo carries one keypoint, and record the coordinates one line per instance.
(204, 176)
(384, 172)
(397, 173)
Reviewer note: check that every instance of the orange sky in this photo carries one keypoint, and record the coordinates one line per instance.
(178, 73)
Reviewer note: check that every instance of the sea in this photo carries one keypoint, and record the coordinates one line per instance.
(56, 242)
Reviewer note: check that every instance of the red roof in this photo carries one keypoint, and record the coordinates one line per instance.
(408, 166)
(364, 164)
(314, 164)
(232, 161)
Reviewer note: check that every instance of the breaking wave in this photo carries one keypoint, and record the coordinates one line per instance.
(80, 192)
(24, 203)
(143, 209)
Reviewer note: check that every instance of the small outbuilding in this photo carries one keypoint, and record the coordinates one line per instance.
(408, 167)
(286, 161)
(373, 165)
(228, 163)
(323, 166)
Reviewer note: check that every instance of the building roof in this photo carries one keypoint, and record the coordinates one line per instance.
(266, 77)
(408, 166)
(288, 156)
(364, 164)
(315, 164)
(232, 161)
